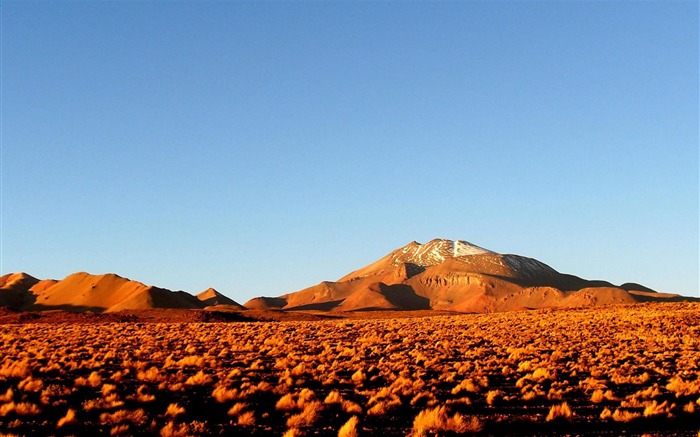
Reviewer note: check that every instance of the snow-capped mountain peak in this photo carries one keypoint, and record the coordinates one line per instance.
(436, 252)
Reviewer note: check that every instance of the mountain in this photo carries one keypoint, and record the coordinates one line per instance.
(97, 293)
(456, 276)
(211, 297)
(15, 289)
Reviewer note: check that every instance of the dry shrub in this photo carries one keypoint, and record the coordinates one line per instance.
(21, 408)
(174, 410)
(467, 385)
(624, 416)
(656, 409)
(378, 409)
(223, 394)
(307, 417)
(305, 396)
(599, 396)
(122, 429)
(68, 419)
(358, 377)
(425, 398)
(137, 417)
(150, 375)
(350, 428)
(293, 432)
(93, 380)
(683, 388)
(286, 403)
(143, 394)
(299, 370)
(436, 420)
(351, 407)
(111, 401)
(30, 384)
(108, 389)
(171, 429)
(541, 374)
(246, 419)
(560, 412)
(8, 396)
(237, 408)
(200, 378)
(333, 398)
(15, 369)
(492, 395)
(191, 361)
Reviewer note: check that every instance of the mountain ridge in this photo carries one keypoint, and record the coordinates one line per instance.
(458, 276)
(440, 275)
(104, 293)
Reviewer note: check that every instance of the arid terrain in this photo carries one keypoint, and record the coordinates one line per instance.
(611, 370)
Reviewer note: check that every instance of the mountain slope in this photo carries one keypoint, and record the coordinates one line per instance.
(456, 276)
(211, 297)
(105, 293)
(15, 289)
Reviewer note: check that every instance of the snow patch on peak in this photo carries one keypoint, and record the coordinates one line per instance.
(464, 248)
(436, 252)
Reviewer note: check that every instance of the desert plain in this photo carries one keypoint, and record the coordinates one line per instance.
(606, 370)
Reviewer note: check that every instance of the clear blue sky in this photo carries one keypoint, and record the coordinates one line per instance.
(261, 147)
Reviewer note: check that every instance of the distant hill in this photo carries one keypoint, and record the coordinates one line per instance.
(97, 293)
(456, 276)
(211, 297)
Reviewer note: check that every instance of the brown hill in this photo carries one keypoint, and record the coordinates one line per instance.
(211, 297)
(15, 289)
(456, 276)
(99, 293)
(104, 293)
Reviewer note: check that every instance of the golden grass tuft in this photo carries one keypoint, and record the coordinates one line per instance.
(624, 416)
(293, 432)
(124, 416)
(656, 409)
(21, 408)
(15, 369)
(307, 417)
(246, 419)
(123, 429)
(200, 378)
(560, 412)
(171, 429)
(68, 419)
(333, 398)
(237, 408)
(492, 396)
(223, 394)
(174, 410)
(349, 429)
(8, 396)
(286, 403)
(437, 419)
(150, 375)
(31, 385)
(683, 388)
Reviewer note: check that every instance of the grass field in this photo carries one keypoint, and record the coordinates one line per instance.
(612, 370)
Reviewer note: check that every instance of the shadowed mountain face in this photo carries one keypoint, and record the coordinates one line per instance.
(97, 293)
(456, 276)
